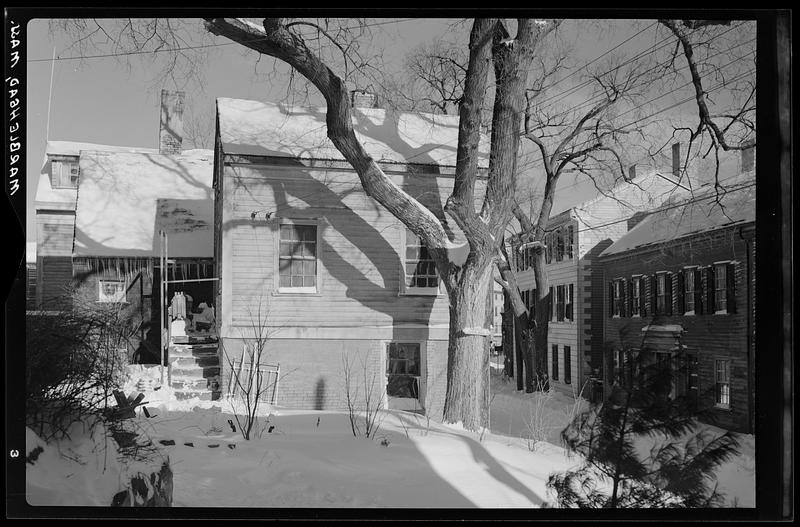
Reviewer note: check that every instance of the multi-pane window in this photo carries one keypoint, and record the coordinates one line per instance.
(420, 269)
(64, 173)
(722, 381)
(111, 291)
(567, 364)
(720, 288)
(403, 369)
(636, 296)
(298, 257)
(568, 302)
(564, 302)
(689, 291)
(560, 302)
(661, 293)
(618, 298)
(570, 243)
(554, 359)
(559, 245)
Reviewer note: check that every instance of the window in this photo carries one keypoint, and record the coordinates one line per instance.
(420, 270)
(722, 380)
(636, 296)
(568, 302)
(403, 370)
(567, 365)
(554, 359)
(720, 288)
(298, 258)
(559, 245)
(618, 297)
(689, 291)
(111, 291)
(661, 293)
(64, 173)
(552, 304)
(570, 233)
(560, 303)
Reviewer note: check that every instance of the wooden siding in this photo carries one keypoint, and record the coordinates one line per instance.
(359, 254)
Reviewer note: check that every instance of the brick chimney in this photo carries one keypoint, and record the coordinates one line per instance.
(634, 220)
(170, 136)
(748, 158)
(362, 99)
(676, 160)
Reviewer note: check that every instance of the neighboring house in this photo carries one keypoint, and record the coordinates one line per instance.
(336, 277)
(30, 276)
(680, 289)
(99, 210)
(574, 238)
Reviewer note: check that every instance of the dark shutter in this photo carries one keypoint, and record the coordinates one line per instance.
(653, 294)
(710, 286)
(668, 294)
(642, 297)
(610, 299)
(698, 291)
(680, 305)
(623, 301)
(730, 277)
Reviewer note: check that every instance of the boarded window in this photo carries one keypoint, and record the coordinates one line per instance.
(298, 257)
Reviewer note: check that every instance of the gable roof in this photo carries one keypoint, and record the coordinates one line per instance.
(268, 129)
(125, 198)
(698, 214)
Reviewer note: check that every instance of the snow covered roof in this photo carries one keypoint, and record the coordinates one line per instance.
(268, 129)
(64, 198)
(697, 214)
(125, 198)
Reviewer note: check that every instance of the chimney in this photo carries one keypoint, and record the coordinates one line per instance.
(634, 220)
(676, 160)
(362, 99)
(749, 158)
(170, 137)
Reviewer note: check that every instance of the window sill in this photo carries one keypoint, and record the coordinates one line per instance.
(689, 313)
(722, 312)
(724, 407)
(420, 291)
(111, 302)
(295, 292)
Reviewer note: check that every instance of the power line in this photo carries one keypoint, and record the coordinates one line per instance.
(204, 46)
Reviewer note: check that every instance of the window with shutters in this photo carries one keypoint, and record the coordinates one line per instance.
(661, 293)
(554, 360)
(419, 270)
(570, 241)
(297, 258)
(720, 288)
(619, 298)
(722, 381)
(637, 295)
(567, 364)
(689, 291)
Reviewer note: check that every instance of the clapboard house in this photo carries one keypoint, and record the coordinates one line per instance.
(575, 235)
(680, 287)
(335, 278)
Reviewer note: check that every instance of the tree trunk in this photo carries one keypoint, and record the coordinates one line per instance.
(466, 398)
(538, 351)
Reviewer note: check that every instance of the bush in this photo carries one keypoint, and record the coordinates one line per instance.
(74, 359)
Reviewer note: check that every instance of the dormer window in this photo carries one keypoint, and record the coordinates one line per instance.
(64, 172)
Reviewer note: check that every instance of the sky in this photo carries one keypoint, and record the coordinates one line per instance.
(107, 101)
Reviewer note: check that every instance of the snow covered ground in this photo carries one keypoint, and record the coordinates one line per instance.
(311, 459)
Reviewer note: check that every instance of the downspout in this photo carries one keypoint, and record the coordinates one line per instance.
(749, 318)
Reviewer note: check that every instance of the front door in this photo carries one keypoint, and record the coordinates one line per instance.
(403, 366)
